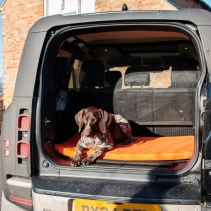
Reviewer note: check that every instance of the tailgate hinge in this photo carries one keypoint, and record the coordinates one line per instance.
(206, 164)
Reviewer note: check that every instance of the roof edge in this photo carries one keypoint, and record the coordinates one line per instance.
(204, 3)
(2, 5)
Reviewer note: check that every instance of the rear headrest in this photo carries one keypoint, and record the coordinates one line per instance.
(113, 78)
(184, 64)
(133, 77)
(184, 79)
(133, 69)
(92, 74)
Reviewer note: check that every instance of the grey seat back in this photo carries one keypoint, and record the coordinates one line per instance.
(184, 79)
(175, 105)
(135, 103)
(167, 111)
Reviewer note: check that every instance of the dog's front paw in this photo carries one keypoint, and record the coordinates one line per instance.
(75, 162)
(86, 161)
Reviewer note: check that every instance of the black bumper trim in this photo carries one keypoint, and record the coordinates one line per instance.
(118, 192)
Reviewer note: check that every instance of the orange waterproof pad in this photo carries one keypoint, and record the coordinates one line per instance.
(143, 149)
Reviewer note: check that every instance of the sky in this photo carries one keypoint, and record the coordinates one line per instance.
(208, 2)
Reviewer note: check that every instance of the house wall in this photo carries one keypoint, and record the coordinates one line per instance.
(110, 5)
(17, 17)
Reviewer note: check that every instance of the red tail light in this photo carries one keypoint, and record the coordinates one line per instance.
(23, 122)
(6, 142)
(22, 149)
(6, 152)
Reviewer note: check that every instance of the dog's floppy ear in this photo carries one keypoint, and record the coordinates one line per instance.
(105, 120)
(78, 119)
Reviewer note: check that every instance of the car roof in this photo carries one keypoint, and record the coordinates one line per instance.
(195, 16)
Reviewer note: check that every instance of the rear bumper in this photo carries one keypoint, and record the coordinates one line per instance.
(118, 191)
(55, 203)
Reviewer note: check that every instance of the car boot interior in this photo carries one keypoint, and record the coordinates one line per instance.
(149, 74)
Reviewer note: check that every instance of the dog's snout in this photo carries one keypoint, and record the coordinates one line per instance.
(87, 133)
(88, 130)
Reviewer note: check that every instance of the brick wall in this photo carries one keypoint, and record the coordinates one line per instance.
(17, 17)
(111, 5)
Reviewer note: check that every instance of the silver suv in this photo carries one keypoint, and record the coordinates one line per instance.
(151, 67)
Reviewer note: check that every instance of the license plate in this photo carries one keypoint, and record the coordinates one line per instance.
(94, 205)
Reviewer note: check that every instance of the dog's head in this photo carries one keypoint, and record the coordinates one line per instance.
(92, 120)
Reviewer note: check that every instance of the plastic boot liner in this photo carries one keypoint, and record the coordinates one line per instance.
(118, 191)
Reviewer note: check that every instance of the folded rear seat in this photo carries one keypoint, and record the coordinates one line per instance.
(174, 111)
(184, 80)
(165, 111)
(135, 104)
(175, 106)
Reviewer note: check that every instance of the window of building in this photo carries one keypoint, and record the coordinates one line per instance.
(68, 7)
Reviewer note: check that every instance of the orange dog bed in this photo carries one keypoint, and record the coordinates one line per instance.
(143, 149)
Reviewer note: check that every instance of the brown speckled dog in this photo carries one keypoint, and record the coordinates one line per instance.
(101, 131)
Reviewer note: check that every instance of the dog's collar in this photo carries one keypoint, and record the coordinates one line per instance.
(97, 134)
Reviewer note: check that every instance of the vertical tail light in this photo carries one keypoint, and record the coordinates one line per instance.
(22, 146)
(23, 122)
(22, 149)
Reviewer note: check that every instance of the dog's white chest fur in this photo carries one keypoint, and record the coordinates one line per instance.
(96, 142)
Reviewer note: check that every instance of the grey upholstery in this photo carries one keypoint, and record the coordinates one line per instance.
(137, 79)
(174, 105)
(137, 69)
(167, 110)
(135, 103)
(135, 76)
(184, 79)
